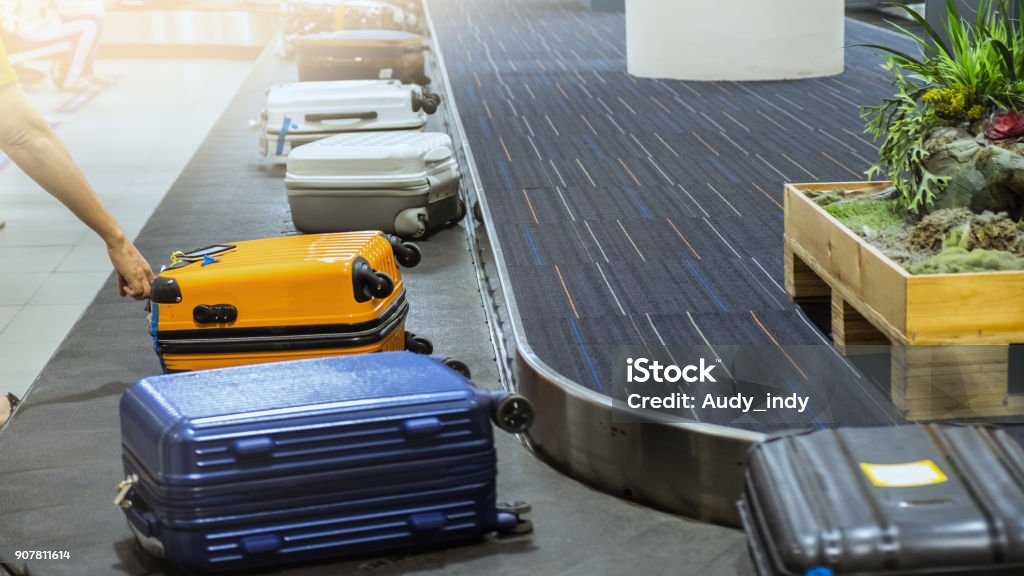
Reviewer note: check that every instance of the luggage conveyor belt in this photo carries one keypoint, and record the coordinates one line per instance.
(60, 456)
(635, 216)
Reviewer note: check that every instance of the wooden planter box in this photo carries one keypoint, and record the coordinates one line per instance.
(950, 333)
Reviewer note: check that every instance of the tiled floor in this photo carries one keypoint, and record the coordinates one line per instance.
(132, 141)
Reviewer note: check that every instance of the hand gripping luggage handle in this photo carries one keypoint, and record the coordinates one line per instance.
(341, 116)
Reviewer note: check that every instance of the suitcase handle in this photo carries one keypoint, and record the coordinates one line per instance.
(427, 521)
(342, 116)
(261, 544)
(143, 520)
(253, 447)
(420, 427)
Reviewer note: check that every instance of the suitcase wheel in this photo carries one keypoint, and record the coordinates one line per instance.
(411, 222)
(510, 524)
(417, 345)
(521, 527)
(459, 366)
(514, 414)
(478, 213)
(431, 102)
(426, 101)
(460, 214)
(406, 253)
(518, 507)
(383, 287)
(368, 283)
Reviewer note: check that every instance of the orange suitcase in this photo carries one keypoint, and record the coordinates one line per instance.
(283, 299)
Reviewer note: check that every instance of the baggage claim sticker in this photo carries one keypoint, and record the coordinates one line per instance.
(744, 385)
(909, 474)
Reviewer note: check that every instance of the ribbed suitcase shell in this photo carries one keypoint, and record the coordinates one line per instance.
(370, 179)
(361, 55)
(808, 503)
(281, 463)
(294, 297)
(302, 112)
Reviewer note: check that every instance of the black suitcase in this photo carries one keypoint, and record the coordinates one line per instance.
(890, 501)
(362, 55)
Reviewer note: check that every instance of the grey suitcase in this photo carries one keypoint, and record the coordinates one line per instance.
(405, 183)
(894, 501)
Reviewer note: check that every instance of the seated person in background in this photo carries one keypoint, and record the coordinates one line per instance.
(36, 22)
(28, 140)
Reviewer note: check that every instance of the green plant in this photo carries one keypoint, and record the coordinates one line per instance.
(980, 68)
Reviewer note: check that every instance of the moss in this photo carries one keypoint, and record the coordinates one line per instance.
(825, 198)
(963, 228)
(946, 241)
(956, 259)
(867, 214)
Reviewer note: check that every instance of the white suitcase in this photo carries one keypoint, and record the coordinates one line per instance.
(404, 183)
(302, 112)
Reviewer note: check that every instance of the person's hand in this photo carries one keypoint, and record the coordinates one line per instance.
(134, 275)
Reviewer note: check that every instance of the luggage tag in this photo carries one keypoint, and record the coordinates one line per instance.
(206, 255)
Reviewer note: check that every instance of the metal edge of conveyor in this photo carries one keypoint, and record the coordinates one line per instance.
(693, 469)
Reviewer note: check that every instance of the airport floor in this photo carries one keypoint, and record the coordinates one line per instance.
(132, 140)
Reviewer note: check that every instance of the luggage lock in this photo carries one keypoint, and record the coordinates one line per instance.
(124, 489)
(214, 314)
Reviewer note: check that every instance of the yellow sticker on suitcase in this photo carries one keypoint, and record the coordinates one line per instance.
(920, 473)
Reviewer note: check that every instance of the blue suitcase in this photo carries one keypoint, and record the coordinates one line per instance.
(282, 463)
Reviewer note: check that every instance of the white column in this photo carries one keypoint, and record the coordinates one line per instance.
(734, 39)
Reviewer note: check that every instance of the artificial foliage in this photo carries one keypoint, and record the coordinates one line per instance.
(963, 83)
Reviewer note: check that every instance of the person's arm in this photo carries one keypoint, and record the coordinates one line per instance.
(31, 143)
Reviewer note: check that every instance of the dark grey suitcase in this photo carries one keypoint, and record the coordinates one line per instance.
(894, 501)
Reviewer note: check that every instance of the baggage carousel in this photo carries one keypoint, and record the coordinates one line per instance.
(616, 217)
(640, 217)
